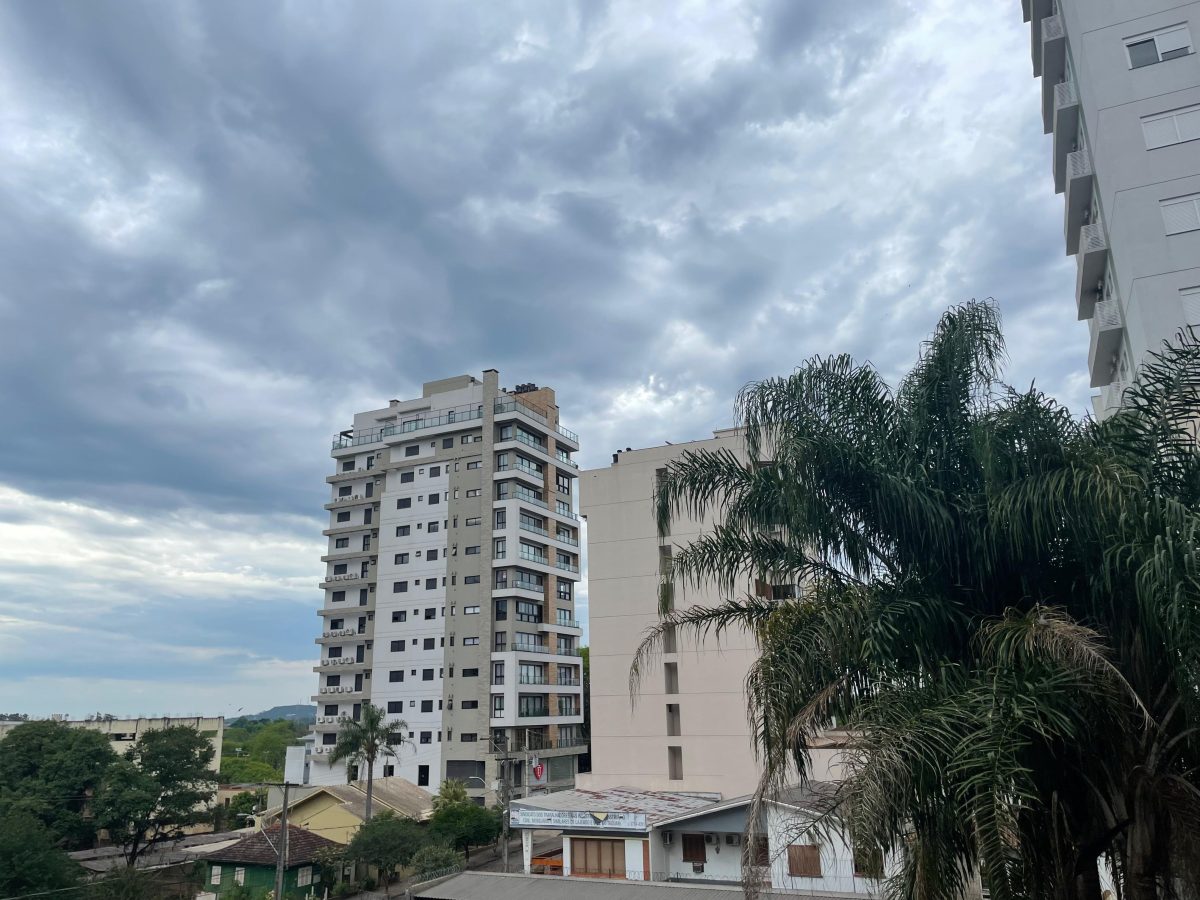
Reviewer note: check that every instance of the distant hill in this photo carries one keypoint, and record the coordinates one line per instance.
(297, 713)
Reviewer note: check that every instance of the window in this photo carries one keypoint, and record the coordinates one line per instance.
(397, 646)
(435, 499)
(404, 503)
(473, 492)
(408, 477)
(563, 483)
(426, 737)
(470, 579)
(339, 569)
(412, 450)
(362, 595)
(471, 551)
(426, 706)
(671, 677)
(675, 763)
(471, 520)
(395, 706)
(474, 464)
(422, 776)
(693, 848)
(400, 615)
(1181, 214)
(215, 876)
(435, 471)
(760, 852)
(431, 555)
(1172, 127)
(429, 644)
(1191, 306)
(403, 530)
(468, 737)
(471, 642)
(868, 862)
(804, 860)
(396, 675)
(344, 491)
(470, 704)
(333, 680)
(348, 466)
(430, 613)
(366, 516)
(1158, 46)
(399, 587)
(304, 876)
(329, 739)
(672, 719)
(339, 596)
(343, 517)
(427, 674)
(389, 771)
(341, 543)
(239, 875)
(470, 673)
(447, 443)
(470, 610)
(401, 559)
(433, 526)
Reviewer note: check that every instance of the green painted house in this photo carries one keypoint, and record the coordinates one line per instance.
(251, 863)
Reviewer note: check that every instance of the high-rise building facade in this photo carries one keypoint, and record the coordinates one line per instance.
(449, 596)
(1121, 96)
(689, 729)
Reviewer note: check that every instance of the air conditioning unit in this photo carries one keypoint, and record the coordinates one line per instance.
(733, 840)
(710, 839)
(668, 837)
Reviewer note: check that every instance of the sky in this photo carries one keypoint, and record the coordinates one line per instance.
(227, 226)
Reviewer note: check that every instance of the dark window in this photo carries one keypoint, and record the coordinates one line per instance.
(470, 704)
(426, 737)
(468, 737)
(341, 544)
(334, 680)
(399, 587)
(400, 559)
(433, 526)
(344, 491)
(427, 674)
(693, 848)
(804, 860)
(339, 596)
(412, 450)
(399, 615)
(343, 517)
(329, 738)
(339, 569)
(435, 471)
(470, 579)
(395, 706)
(431, 555)
(396, 675)
(431, 613)
(331, 709)
(435, 499)
(470, 673)
(389, 771)
(403, 530)
(348, 466)
(430, 584)
(407, 477)
(422, 776)
(447, 443)
(428, 644)
(397, 646)
(426, 706)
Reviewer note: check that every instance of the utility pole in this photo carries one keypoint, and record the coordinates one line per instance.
(505, 798)
(281, 864)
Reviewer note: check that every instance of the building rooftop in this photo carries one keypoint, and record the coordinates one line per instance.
(259, 849)
(397, 794)
(656, 806)
(497, 886)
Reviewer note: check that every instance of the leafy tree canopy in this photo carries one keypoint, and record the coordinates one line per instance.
(386, 841)
(248, 771)
(30, 861)
(434, 859)
(449, 792)
(465, 825)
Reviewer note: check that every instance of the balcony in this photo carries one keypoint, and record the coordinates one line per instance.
(1066, 130)
(1037, 13)
(1109, 400)
(522, 469)
(436, 419)
(1107, 327)
(566, 566)
(519, 493)
(351, 580)
(560, 626)
(1080, 182)
(1093, 263)
(1054, 65)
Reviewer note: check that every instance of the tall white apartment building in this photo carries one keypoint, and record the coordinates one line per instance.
(1121, 96)
(449, 596)
(688, 730)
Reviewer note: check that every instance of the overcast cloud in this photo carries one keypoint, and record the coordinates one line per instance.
(226, 226)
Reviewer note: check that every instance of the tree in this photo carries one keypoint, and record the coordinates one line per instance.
(434, 859)
(449, 792)
(369, 739)
(30, 861)
(998, 601)
(51, 770)
(465, 825)
(248, 771)
(243, 806)
(162, 786)
(386, 841)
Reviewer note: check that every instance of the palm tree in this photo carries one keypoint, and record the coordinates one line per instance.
(1000, 602)
(369, 739)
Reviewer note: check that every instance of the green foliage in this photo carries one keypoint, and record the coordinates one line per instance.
(346, 889)
(331, 861)
(248, 771)
(260, 741)
(158, 790)
(241, 892)
(369, 739)
(243, 806)
(449, 792)
(999, 602)
(125, 884)
(434, 859)
(30, 861)
(386, 841)
(464, 825)
(49, 770)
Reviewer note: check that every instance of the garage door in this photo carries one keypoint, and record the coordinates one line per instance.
(600, 859)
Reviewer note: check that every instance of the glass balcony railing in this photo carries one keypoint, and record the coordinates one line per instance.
(566, 566)
(526, 439)
(516, 492)
(512, 404)
(443, 417)
(564, 538)
(533, 712)
(534, 529)
(534, 557)
(533, 679)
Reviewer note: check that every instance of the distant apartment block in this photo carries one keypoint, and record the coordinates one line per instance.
(688, 730)
(449, 594)
(124, 733)
(1121, 97)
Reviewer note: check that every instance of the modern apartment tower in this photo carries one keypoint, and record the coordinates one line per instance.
(688, 730)
(1121, 96)
(449, 596)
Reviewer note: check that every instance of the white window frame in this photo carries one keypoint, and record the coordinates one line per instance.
(239, 875)
(1154, 36)
(214, 876)
(1192, 200)
(304, 876)
(1179, 119)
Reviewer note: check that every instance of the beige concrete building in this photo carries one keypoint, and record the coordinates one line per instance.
(449, 594)
(124, 733)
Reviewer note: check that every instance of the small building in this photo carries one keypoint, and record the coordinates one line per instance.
(337, 810)
(631, 835)
(251, 863)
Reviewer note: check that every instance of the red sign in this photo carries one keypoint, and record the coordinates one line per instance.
(538, 771)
